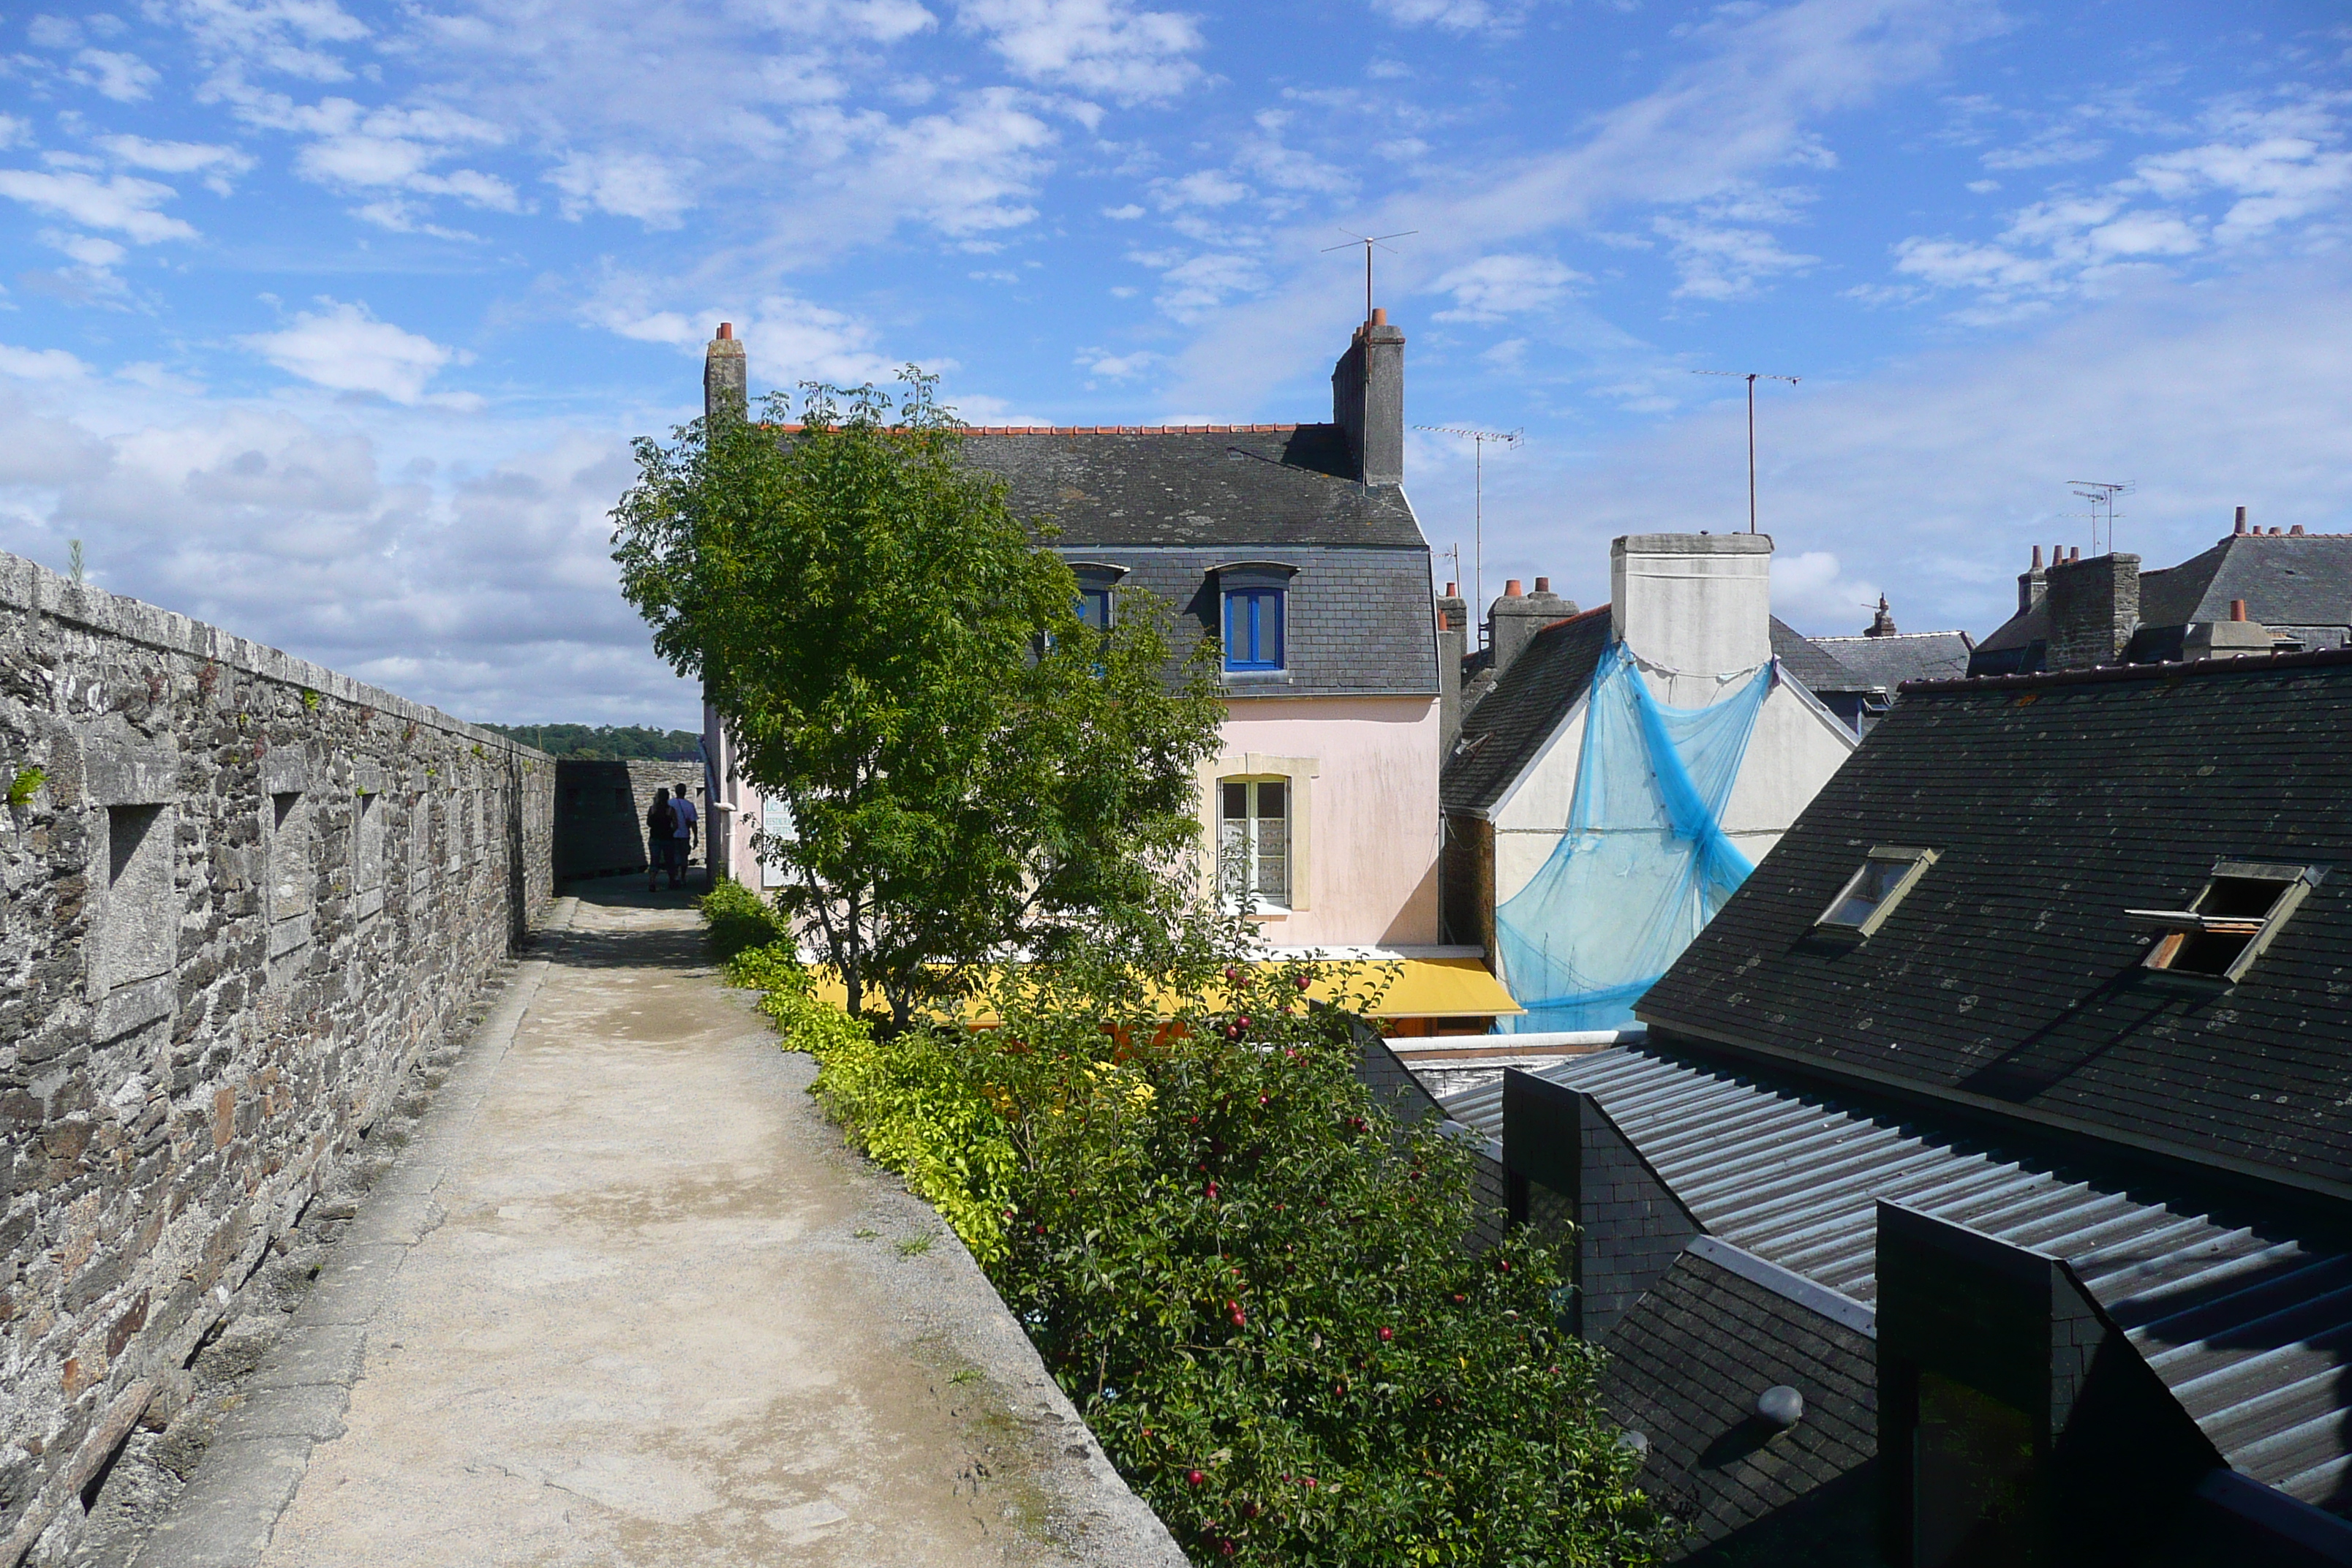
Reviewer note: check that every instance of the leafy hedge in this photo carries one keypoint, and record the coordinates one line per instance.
(1249, 1280)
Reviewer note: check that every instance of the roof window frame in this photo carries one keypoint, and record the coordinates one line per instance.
(1915, 858)
(2177, 927)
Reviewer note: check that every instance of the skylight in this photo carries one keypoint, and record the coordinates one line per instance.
(1869, 895)
(2226, 927)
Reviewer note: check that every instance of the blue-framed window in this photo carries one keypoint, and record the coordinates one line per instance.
(1253, 628)
(1094, 604)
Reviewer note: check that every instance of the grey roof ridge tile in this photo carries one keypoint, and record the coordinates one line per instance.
(1841, 1309)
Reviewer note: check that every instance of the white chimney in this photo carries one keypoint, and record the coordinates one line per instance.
(1700, 604)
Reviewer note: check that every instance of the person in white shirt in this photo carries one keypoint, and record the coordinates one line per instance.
(682, 813)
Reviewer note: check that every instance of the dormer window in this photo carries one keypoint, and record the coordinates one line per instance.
(1097, 591)
(2232, 919)
(1887, 873)
(1257, 606)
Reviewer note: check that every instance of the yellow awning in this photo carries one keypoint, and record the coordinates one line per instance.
(1428, 988)
(1416, 988)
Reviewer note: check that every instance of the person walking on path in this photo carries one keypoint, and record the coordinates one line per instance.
(661, 838)
(682, 808)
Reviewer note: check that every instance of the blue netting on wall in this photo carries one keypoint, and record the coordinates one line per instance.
(1645, 863)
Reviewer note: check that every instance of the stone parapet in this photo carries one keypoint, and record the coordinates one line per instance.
(242, 893)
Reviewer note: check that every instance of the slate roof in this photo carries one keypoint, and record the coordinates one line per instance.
(2298, 581)
(2008, 978)
(1208, 485)
(1511, 723)
(1811, 663)
(1885, 663)
(2249, 1325)
(1361, 622)
(1684, 1370)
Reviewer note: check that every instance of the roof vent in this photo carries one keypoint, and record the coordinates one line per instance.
(1780, 1405)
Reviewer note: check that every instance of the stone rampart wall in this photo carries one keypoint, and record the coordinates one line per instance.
(242, 893)
(600, 812)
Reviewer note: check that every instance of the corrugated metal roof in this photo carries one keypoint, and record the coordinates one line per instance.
(2249, 1326)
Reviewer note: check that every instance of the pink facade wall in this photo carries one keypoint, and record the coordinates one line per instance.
(1369, 869)
(1372, 822)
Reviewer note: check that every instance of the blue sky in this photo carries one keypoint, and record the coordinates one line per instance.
(333, 324)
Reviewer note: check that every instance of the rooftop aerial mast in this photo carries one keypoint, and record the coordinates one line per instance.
(1506, 439)
(1751, 377)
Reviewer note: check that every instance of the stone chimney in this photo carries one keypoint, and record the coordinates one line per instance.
(725, 383)
(1514, 618)
(1697, 602)
(1453, 647)
(2094, 610)
(2030, 584)
(1883, 623)
(1368, 400)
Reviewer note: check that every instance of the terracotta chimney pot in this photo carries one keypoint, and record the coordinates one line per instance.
(2237, 610)
(726, 329)
(1511, 589)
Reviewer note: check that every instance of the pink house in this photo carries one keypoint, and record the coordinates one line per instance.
(1295, 546)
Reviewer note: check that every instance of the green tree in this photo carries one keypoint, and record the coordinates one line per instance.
(973, 772)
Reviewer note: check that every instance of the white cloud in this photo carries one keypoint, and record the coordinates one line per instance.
(52, 32)
(1811, 587)
(1721, 261)
(355, 148)
(626, 184)
(345, 349)
(177, 157)
(86, 249)
(126, 79)
(1123, 214)
(1116, 367)
(2263, 170)
(14, 132)
(1454, 15)
(1931, 480)
(1709, 130)
(1191, 288)
(285, 36)
(1494, 287)
(40, 364)
(1103, 47)
(1208, 188)
(123, 204)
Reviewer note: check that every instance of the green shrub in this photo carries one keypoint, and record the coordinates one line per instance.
(739, 919)
(1252, 1284)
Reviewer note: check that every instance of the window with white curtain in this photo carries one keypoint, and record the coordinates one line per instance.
(1254, 842)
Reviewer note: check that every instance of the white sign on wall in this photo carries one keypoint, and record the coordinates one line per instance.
(776, 822)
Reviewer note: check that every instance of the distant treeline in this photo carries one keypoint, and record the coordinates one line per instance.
(605, 742)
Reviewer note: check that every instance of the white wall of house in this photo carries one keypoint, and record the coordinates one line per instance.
(1697, 610)
(1795, 747)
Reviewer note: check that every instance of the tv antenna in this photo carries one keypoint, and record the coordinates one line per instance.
(1370, 242)
(1506, 439)
(1751, 377)
(2102, 494)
